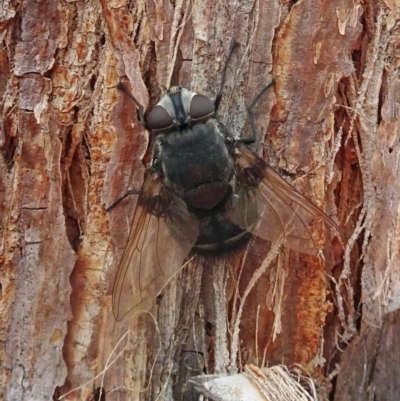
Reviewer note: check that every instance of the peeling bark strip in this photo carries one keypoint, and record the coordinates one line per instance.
(70, 145)
(276, 383)
(36, 256)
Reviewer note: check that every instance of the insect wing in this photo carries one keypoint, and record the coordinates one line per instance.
(274, 209)
(157, 245)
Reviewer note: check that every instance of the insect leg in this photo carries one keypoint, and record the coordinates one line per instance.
(251, 115)
(139, 106)
(130, 192)
(217, 102)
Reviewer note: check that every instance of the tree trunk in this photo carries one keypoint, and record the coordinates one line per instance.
(71, 144)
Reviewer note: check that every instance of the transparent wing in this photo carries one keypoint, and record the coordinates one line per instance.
(273, 208)
(163, 233)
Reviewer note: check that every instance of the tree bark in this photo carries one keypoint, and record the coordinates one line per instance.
(71, 144)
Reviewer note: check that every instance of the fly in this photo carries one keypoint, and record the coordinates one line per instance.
(205, 192)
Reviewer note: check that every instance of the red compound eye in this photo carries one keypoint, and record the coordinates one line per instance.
(201, 107)
(159, 119)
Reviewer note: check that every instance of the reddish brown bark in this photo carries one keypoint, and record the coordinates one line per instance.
(71, 145)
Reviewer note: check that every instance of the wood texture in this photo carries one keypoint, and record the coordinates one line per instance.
(71, 144)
